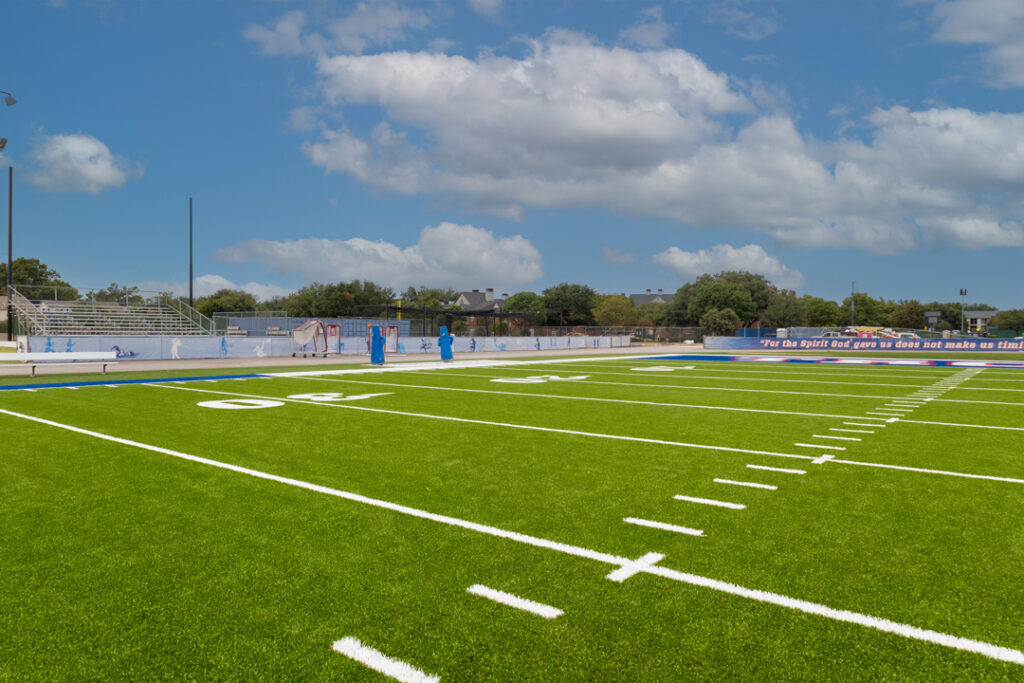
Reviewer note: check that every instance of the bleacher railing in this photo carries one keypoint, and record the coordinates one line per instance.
(65, 311)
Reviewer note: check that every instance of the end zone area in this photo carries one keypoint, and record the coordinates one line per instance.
(684, 518)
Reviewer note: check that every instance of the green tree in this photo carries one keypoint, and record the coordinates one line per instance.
(569, 304)
(908, 314)
(1008, 320)
(615, 311)
(524, 302)
(784, 310)
(225, 300)
(867, 311)
(121, 294)
(431, 299)
(820, 312)
(337, 300)
(722, 322)
(758, 286)
(655, 313)
(721, 294)
(36, 280)
(679, 310)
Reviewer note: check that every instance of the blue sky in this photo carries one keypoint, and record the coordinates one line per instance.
(517, 144)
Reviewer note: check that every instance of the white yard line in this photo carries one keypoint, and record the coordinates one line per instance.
(646, 564)
(538, 608)
(381, 663)
(820, 445)
(841, 438)
(663, 526)
(596, 435)
(748, 484)
(709, 501)
(532, 394)
(851, 431)
(776, 469)
(490, 423)
(686, 386)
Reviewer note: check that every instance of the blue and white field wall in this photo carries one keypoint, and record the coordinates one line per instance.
(169, 348)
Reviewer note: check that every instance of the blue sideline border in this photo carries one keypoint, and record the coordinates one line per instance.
(161, 380)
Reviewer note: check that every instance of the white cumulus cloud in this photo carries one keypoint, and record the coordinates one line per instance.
(205, 285)
(78, 163)
(616, 256)
(375, 22)
(650, 31)
(572, 123)
(446, 255)
(687, 265)
(486, 8)
(997, 26)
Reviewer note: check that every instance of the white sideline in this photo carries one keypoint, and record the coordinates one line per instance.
(645, 564)
(380, 662)
(538, 608)
(709, 501)
(663, 526)
(614, 437)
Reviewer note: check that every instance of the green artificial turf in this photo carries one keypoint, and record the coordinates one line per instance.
(122, 562)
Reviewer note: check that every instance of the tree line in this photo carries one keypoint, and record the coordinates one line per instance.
(720, 303)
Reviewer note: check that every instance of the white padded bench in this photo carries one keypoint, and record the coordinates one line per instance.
(78, 358)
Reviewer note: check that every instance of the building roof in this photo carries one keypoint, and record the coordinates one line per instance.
(980, 315)
(648, 298)
(479, 302)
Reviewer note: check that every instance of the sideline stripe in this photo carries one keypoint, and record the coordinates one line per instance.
(776, 469)
(663, 526)
(597, 435)
(708, 501)
(380, 662)
(538, 608)
(749, 484)
(121, 382)
(978, 647)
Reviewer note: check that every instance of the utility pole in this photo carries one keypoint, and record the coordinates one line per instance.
(191, 303)
(10, 250)
(963, 294)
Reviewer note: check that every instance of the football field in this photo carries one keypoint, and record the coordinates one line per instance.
(597, 518)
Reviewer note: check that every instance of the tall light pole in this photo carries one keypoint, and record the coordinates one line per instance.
(191, 302)
(963, 293)
(9, 101)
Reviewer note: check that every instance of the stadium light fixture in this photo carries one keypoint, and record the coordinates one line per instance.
(9, 100)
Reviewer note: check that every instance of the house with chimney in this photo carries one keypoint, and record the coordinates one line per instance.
(649, 298)
(479, 302)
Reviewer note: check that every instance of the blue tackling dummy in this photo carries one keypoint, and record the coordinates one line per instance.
(376, 345)
(444, 342)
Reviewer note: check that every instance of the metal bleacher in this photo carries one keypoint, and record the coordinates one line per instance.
(159, 316)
